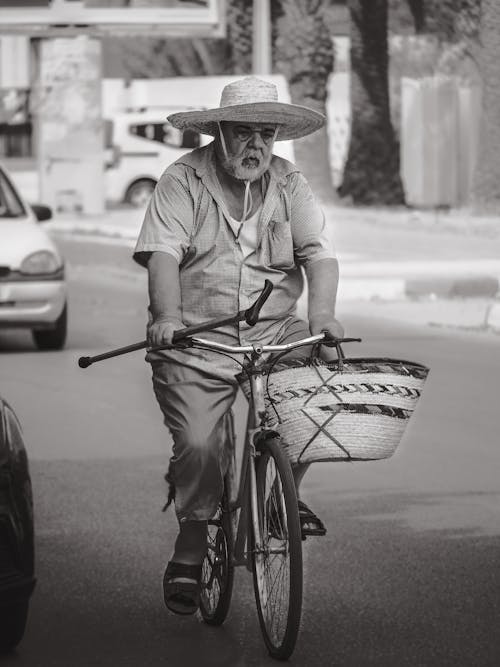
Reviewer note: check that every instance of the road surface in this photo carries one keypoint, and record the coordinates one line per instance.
(408, 573)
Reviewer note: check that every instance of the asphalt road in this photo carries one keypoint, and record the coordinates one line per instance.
(408, 573)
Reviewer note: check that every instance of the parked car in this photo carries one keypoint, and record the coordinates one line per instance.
(17, 579)
(33, 291)
(139, 145)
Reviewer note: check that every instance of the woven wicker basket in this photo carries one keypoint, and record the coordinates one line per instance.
(355, 411)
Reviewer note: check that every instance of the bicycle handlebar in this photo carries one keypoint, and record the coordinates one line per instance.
(282, 347)
(250, 315)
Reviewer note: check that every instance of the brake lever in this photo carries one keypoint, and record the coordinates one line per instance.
(331, 341)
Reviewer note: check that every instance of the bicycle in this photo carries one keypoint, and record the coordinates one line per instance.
(257, 523)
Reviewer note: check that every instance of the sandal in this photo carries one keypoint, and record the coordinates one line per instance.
(309, 522)
(182, 597)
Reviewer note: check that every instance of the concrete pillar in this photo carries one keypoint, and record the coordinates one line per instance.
(69, 129)
(261, 49)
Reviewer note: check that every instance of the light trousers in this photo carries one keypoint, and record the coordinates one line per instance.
(194, 404)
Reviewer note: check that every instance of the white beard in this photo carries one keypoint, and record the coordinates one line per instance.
(242, 172)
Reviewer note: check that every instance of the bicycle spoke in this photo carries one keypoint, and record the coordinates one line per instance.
(277, 556)
(275, 568)
(274, 598)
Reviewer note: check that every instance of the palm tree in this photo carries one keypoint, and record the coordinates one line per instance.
(371, 174)
(486, 188)
(304, 54)
(239, 35)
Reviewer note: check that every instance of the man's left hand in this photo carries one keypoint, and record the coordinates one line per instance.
(328, 324)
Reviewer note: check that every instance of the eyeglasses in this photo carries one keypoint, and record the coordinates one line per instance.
(244, 133)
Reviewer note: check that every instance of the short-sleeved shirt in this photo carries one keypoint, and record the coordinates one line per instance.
(188, 218)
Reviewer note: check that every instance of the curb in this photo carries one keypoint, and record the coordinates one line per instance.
(460, 286)
(94, 231)
(367, 280)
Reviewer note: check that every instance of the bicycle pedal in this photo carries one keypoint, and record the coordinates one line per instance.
(312, 532)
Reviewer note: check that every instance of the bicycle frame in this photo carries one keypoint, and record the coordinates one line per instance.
(246, 498)
(247, 495)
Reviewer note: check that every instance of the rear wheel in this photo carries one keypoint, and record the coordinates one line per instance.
(217, 574)
(277, 552)
(55, 338)
(139, 193)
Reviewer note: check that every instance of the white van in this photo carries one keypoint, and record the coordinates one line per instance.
(140, 144)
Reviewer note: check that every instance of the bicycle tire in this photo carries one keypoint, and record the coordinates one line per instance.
(279, 528)
(217, 575)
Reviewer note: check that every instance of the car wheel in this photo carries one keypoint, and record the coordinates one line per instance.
(53, 339)
(139, 193)
(13, 619)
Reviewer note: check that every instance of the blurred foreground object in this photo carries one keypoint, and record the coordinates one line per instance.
(17, 579)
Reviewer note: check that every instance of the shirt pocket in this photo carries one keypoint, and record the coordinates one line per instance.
(279, 245)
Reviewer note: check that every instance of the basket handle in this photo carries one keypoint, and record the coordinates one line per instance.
(337, 344)
(340, 356)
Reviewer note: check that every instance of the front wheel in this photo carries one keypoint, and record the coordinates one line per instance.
(277, 552)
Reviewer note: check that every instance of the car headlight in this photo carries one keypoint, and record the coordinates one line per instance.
(42, 261)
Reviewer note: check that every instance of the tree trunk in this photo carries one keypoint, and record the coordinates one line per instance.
(486, 188)
(304, 53)
(239, 35)
(371, 174)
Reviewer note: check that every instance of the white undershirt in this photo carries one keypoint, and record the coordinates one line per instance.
(247, 235)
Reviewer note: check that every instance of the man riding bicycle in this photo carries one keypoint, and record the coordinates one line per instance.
(221, 220)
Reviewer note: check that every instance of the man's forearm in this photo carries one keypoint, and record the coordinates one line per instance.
(322, 282)
(164, 287)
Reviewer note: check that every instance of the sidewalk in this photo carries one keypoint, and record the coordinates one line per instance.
(427, 267)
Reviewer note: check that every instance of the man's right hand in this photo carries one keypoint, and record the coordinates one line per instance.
(160, 332)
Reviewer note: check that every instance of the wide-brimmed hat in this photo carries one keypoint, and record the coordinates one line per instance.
(252, 100)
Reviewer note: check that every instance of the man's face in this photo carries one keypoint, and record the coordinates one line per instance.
(249, 149)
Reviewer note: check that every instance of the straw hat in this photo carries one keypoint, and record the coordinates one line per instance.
(252, 100)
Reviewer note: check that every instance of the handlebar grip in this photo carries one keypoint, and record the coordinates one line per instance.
(329, 341)
(252, 314)
(348, 340)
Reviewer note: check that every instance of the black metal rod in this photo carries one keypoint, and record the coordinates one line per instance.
(207, 326)
(85, 362)
(251, 314)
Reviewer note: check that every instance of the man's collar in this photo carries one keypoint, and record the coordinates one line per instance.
(202, 160)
